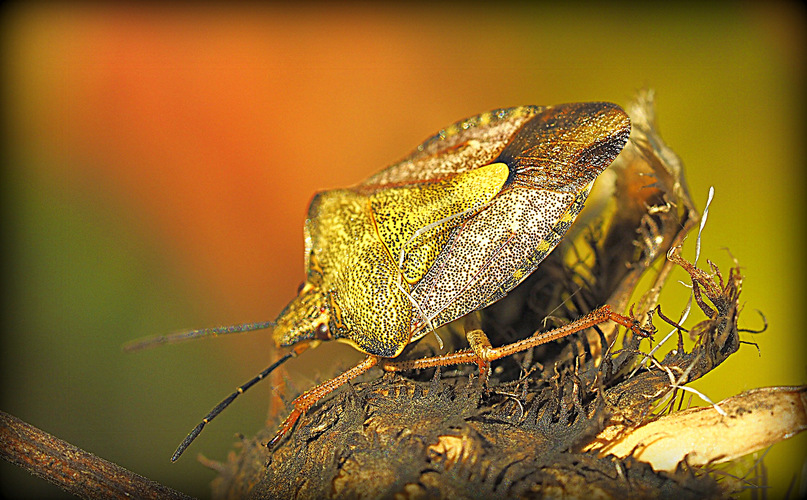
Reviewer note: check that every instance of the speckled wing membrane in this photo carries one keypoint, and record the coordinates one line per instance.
(553, 158)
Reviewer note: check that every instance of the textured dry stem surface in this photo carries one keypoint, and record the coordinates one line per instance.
(72, 469)
(553, 418)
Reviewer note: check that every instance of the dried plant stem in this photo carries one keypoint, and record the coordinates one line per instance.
(73, 469)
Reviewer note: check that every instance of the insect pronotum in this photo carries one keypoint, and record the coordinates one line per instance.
(448, 230)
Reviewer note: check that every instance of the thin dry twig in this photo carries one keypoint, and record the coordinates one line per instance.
(73, 469)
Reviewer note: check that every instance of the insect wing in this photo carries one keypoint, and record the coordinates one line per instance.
(553, 160)
(463, 146)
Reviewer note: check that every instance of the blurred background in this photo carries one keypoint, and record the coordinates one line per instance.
(159, 162)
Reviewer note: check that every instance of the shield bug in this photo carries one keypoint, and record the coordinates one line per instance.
(448, 230)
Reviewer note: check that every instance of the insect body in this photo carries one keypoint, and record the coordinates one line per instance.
(450, 229)
(447, 231)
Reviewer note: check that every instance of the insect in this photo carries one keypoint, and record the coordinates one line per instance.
(448, 230)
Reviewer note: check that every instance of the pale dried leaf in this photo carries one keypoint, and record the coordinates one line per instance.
(754, 420)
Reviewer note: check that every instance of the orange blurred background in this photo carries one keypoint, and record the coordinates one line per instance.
(159, 162)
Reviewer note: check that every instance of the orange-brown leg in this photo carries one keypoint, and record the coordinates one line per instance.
(481, 347)
(307, 399)
(481, 352)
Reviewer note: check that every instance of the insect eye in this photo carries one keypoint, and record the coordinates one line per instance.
(322, 332)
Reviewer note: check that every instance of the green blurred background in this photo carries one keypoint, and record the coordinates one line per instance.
(159, 162)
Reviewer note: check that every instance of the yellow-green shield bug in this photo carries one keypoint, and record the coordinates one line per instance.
(448, 230)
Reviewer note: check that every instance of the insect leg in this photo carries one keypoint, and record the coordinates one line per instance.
(452, 358)
(482, 354)
(481, 347)
(595, 317)
(306, 400)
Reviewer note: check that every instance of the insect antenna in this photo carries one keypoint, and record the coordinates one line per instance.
(172, 338)
(226, 402)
